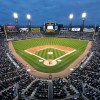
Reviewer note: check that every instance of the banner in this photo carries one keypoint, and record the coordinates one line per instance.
(88, 30)
(35, 29)
(23, 30)
(76, 29)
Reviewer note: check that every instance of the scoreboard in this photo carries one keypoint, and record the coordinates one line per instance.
(50, 27)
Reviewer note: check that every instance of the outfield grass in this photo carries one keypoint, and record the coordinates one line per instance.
(22, 45)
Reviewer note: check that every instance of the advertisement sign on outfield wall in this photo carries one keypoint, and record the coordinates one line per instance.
(76, 29)
(35, 29)
(24, 30)
(88, 30)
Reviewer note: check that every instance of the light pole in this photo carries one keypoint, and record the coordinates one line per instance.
(70, 19)
(29, 19)
(83, 19)
(15, 15)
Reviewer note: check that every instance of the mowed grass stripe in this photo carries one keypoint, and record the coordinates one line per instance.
(48, 56)
(22, 45)
(44, 53)
(50, 50)
(55, 54)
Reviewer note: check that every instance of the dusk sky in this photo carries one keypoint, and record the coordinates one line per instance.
(53, 10)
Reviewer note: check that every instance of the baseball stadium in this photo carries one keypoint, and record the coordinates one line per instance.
(51, 61)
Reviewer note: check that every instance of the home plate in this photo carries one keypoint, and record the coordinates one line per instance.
(40, 60)
(50, 53)
(50, 62)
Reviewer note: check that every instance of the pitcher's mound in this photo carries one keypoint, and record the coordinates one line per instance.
(50, 62)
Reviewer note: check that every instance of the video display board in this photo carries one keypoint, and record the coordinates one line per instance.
(98, 29)
(50, 27)
(76, 29)
(56, 27)
(11, 28)
(21, 30)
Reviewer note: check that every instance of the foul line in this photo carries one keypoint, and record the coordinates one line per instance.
(54, 59)
(35, 55)
(65, 54)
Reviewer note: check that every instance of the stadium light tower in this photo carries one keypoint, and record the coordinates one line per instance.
(15, 15)
(29, 19)
(83, 18)
(70, 19)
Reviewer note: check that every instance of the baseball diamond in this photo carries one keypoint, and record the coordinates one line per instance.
(35, 52)
(57, 52)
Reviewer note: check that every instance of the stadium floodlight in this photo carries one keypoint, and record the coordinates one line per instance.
(71, 16)
(84, 14)
(29, 19)
(15, 15)
(70, 19)
(28, 16)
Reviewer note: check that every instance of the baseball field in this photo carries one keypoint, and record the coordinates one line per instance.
(50, 55)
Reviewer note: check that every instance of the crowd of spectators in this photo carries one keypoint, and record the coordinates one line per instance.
(24, 35)
(77, 35)
(10, 76)
(65, 34)
(87, 79)
(17, 84)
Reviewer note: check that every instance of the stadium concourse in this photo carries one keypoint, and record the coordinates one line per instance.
(83, 83)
